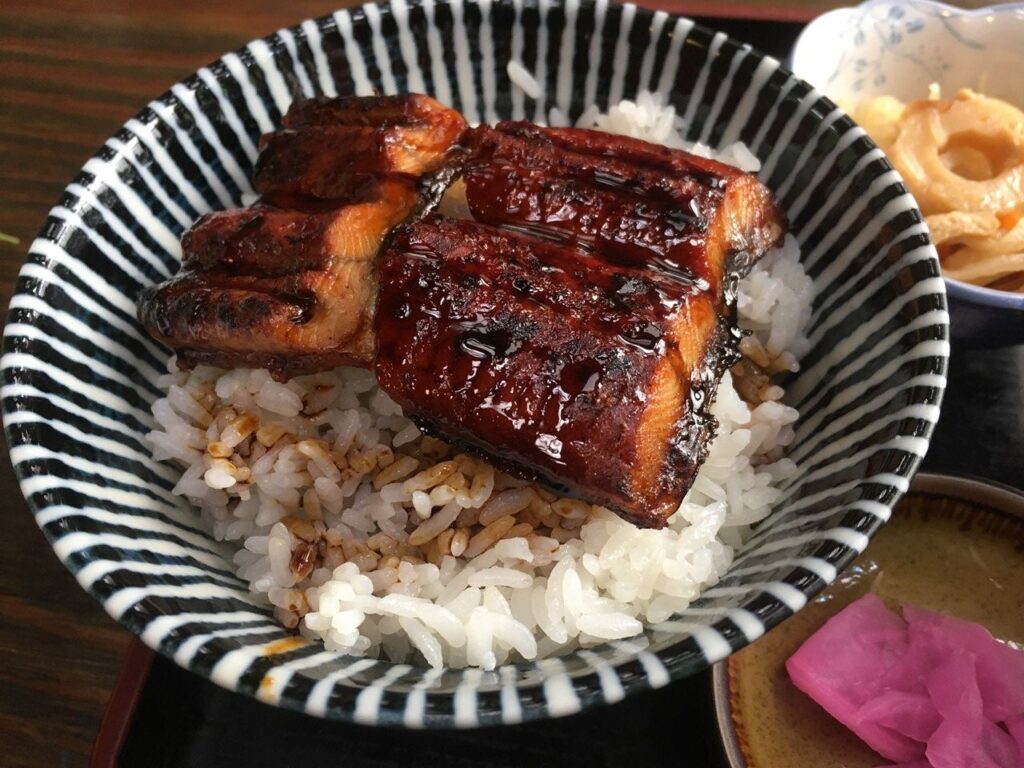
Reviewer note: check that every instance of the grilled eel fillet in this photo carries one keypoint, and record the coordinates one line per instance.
(573, 326)
(577, 328)
(290, 284)
(333, 149)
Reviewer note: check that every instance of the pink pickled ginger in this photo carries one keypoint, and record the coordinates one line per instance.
(925, 690)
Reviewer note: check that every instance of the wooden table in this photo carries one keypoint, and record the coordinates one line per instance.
(71, 73)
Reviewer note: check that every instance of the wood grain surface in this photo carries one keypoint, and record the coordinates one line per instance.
(70, 74)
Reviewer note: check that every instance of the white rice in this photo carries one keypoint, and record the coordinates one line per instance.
(380, 541)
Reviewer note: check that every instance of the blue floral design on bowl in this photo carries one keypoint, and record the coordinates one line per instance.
(901, 47)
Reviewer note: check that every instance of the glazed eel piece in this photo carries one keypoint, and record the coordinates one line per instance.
(569, 368)
(291, 283)
(334, 149)
(576, 328)
(573, 326)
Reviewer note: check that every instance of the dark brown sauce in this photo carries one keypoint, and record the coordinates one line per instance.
(323, 162)
(620, 158)
(634, 204)
(525, 345)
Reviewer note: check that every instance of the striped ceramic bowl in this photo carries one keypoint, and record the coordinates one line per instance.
(79, 372)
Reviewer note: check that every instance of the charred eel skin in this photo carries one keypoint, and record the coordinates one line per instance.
(567, 368)
(291, 283)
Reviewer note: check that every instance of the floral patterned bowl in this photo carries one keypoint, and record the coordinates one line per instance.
(899, 48)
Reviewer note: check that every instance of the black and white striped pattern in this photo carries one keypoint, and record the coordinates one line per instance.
(79, 371)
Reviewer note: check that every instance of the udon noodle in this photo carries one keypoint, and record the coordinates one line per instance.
(963, 160)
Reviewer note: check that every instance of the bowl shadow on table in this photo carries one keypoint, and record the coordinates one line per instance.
(183, 720)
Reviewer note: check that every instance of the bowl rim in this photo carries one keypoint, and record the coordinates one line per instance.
(815, 25)
(662, 673)
(983, 295)
(952, 10)
(945, 8)
(982, 492)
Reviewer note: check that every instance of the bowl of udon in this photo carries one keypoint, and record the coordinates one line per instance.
(924, 79)
(271, 533)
